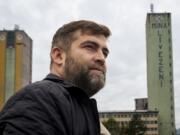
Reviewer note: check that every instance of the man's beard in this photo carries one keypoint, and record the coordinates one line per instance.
(80, 76)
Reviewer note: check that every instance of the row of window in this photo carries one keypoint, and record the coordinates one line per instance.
(152, 129)
(145, 122)
(125, 115)
(150, 122)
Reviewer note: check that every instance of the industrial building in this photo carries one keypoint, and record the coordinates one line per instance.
(160, 70)
(150, 119)
(15, 62)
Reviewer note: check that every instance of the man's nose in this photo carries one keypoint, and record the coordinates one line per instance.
(100, 58)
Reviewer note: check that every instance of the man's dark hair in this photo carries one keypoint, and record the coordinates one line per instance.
(64, 36)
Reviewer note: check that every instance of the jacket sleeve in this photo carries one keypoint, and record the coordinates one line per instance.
(34, 113)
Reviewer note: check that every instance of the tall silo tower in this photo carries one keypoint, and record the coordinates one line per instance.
(160, 70)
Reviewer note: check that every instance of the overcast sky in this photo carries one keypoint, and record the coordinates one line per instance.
(126, 77)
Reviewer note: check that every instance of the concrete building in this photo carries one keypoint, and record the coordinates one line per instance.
(150, 119)
(15, 62)
(160, 70)
(141, 103)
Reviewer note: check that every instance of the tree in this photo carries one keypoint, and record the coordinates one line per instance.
(123, 130)
(136, 126)
(113, 126)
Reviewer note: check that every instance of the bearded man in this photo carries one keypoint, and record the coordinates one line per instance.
(61, 104)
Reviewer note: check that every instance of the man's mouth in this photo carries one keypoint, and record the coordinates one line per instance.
(98, 70)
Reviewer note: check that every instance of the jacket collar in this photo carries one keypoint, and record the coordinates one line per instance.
(73, 89)
(55, 78)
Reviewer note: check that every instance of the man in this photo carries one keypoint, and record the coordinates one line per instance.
(61, 104)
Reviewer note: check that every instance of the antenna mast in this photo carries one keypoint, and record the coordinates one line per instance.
(152, 8)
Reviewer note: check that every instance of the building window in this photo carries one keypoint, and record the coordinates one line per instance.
(171, 107)
(170, 81)
(170, 56)
(151, 115)
(10, 39)
(170, 64)
(169, 31)
(169, 48)
(170, 73)
(169, 40)
(172, 116)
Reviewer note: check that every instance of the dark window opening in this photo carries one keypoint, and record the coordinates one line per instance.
(10, 39)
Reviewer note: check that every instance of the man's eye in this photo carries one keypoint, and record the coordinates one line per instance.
(105, 54)
(89, 46)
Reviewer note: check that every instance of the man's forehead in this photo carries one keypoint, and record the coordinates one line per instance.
(98, 39)
(88, 33)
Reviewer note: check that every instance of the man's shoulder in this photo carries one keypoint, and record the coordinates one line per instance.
(40, 89)
(52, 83)
(43, 88)
(44, 85)
(35, 104)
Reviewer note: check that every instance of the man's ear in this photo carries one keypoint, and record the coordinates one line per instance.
(58, 56)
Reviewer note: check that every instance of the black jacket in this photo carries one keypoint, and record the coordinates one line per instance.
(50, 107)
